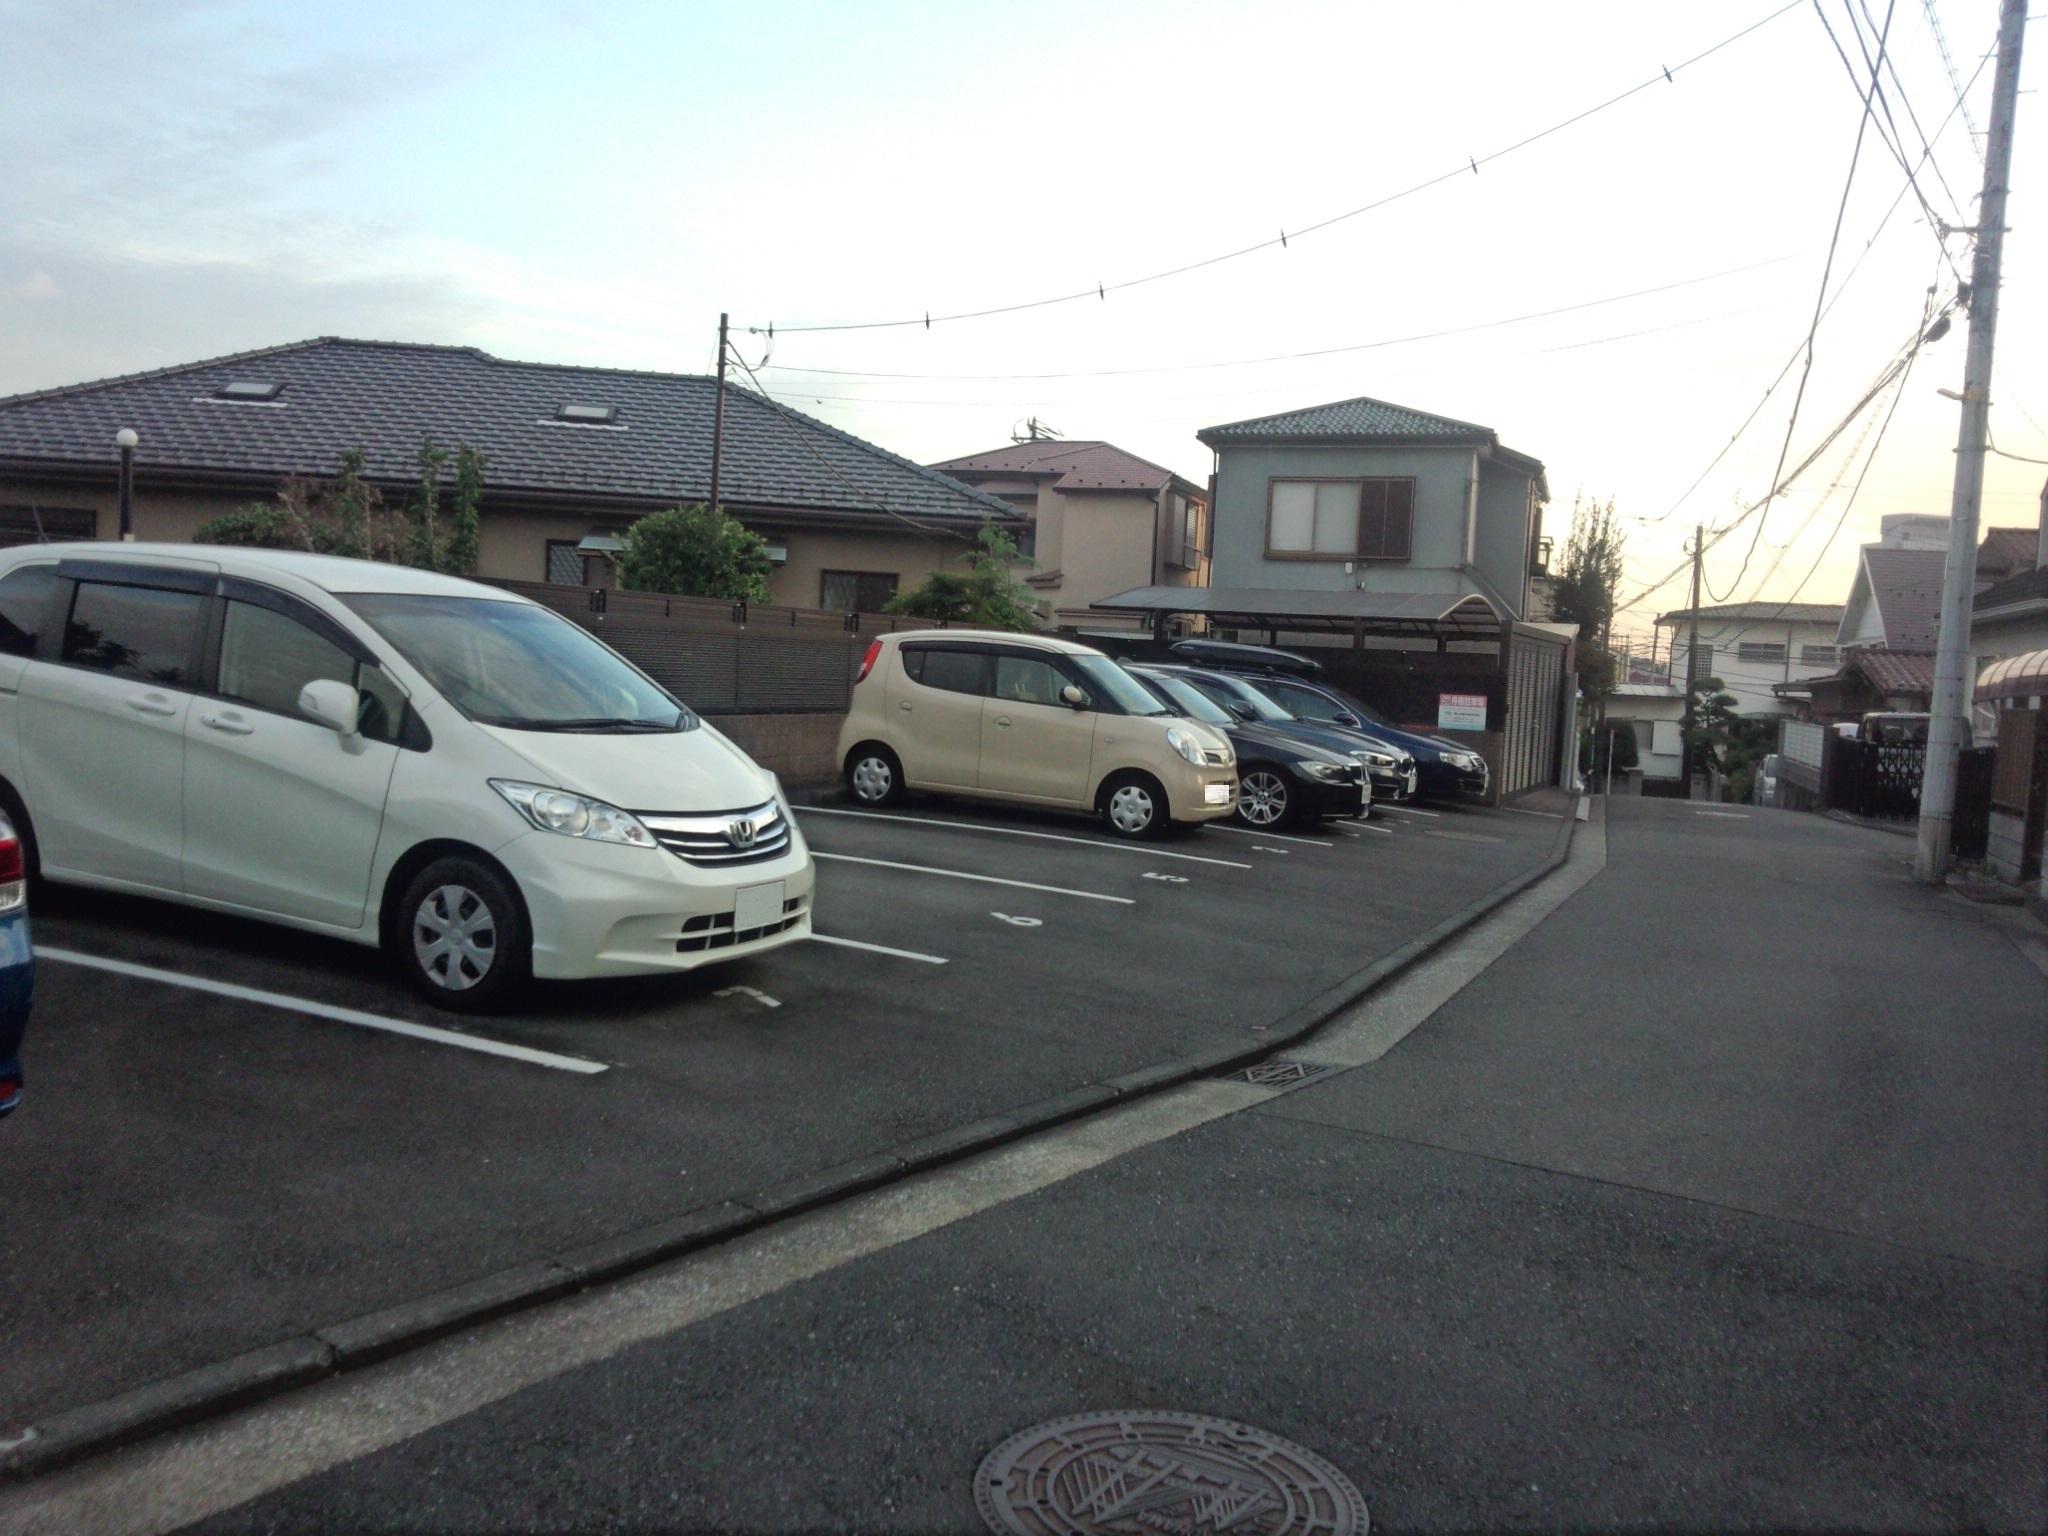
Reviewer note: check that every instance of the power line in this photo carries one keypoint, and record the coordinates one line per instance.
(1891, 67)
(1863, 122)
(1292, 357)
(1101, 290)
(1948, 63)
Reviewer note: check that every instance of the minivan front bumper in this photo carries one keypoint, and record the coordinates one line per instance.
(603, 909)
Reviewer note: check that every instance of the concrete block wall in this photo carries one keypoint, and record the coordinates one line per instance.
(2006, 845)
(802, 749)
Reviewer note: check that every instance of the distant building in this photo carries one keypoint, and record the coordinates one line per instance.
(1754, 647)
(1100, 521)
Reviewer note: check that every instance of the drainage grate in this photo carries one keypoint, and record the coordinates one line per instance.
(1138, 1470)
(1279, 1073)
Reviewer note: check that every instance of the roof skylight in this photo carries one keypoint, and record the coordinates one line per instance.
(588, 415)
(248, 389)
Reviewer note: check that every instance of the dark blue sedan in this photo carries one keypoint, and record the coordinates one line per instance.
(17, 964)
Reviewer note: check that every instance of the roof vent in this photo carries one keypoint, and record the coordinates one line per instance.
(248, 389)
(588, 415)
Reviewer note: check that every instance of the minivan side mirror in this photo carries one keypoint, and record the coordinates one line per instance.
(1074, 696)
(332, 704)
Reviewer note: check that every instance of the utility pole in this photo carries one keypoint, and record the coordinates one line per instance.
(1692, 660)
(718, 415)
(1952, 646)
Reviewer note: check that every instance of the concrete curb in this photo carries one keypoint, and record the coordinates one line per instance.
(347, 1345)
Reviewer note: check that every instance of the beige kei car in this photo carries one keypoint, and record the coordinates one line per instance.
(1030, 719)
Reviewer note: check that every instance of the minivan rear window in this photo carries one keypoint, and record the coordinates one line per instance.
(24, 594)
(141, 632)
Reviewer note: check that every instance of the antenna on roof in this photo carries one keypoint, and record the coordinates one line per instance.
(1035, 431)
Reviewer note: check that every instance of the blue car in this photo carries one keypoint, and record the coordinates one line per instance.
(17, 964)
(1444, 769)
(1389, 769)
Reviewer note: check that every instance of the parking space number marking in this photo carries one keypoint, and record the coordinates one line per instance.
(1169, 879)
(1020, 922)
(757, 995)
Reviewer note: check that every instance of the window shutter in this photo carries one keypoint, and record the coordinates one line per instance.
(1400, 520)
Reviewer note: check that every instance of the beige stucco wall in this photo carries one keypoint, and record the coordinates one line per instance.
(513, 544)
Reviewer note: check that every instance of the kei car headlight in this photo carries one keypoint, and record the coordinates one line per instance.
(1185, 744)
(556, 810)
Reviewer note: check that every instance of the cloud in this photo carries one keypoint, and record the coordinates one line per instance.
(37, 285)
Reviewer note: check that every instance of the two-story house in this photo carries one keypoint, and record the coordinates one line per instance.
(1102, 520)
(1753, 648)
(1400, 547)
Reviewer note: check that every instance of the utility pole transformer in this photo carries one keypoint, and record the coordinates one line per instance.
(718, 416)
(1952, 669)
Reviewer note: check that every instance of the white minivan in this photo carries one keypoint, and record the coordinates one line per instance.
(383, 755)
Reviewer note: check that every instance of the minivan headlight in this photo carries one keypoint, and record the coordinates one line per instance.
(1185, 744)
(557, 810)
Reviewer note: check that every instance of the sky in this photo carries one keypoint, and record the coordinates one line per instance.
(595, 183)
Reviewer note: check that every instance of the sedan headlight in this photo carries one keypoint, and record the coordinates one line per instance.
(556, 810)
(1185, 743)
(1374, 759)
(1329, 773)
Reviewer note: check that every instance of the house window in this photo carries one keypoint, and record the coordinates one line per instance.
(851, 591)
(1819, 656)
(1751, 650)
(565, 563)
(1340, 519)
(39, 525)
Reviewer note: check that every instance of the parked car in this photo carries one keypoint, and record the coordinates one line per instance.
(1280, 780)
(1894, 729)
(17, 964)
(1031, 719)
(1765, 787)
(1444, 769)
(1390, 770)
(383, 755)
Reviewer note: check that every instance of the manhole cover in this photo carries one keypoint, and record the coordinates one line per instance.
(1137, 1472)
(1278, 1073)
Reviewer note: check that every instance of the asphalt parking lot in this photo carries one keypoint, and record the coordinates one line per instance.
(235, 1133)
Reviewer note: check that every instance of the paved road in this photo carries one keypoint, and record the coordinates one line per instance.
(1714, 1202)
(197, 1175)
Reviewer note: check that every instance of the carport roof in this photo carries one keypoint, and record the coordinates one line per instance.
(1314, 610)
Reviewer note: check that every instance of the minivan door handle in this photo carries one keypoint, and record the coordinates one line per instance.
(228, 724)
(151, 704)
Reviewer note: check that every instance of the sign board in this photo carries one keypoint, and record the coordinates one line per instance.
(1461, 711)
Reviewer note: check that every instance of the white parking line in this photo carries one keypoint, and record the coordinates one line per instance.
(1727, 815)
(1363, 826)
(1409, 810)
(1051, 837)
(1273, 837)
(961, 874)
(878, 949)
(324, 1011)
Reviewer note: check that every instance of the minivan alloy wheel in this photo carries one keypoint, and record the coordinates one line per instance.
(1262, 798)
(454, 937)
(1131, 808)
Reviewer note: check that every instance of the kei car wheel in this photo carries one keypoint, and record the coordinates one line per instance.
(873, 775)
(1134, 806)
(1264, 798)
(461, 935)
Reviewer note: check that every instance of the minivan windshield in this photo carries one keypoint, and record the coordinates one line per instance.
(518, 666)
(1187, 699)
(1108, 681)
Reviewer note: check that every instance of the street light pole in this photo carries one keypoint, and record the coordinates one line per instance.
(1952, 644)
(125, 440)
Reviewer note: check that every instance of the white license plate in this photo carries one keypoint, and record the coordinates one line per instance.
(1216, 794)
(757, 906)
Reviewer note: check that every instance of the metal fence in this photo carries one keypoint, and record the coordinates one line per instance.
(724, 658)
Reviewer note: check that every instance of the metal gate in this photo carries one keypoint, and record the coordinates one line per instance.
(1535, 673)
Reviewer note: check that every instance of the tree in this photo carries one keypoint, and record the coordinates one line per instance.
(695, 552)
(425, 510)
(469, 495)
(988, 596)
(1713, 721)
(1584, 591)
